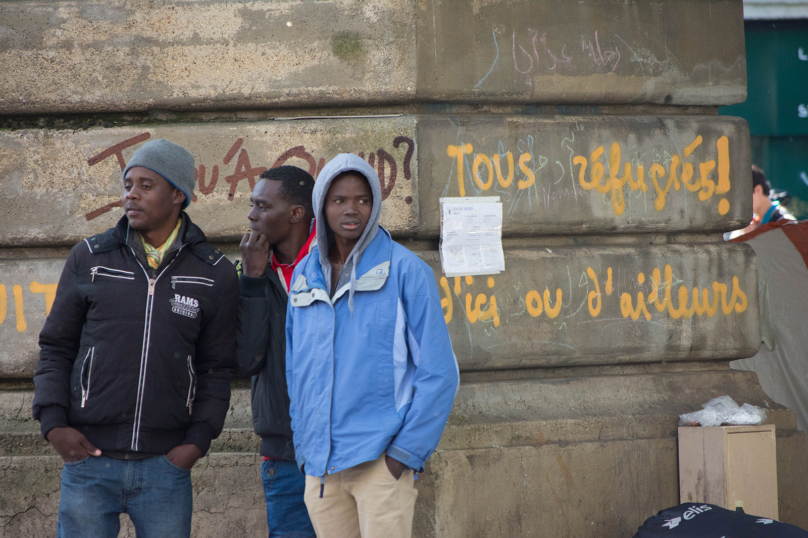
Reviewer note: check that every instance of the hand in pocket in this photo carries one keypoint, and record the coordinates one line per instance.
(71, 444)
(395, 467)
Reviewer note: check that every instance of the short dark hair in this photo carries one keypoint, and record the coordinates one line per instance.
(759, 178)
(296, 184)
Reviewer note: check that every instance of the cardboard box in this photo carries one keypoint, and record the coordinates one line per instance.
(729, 466)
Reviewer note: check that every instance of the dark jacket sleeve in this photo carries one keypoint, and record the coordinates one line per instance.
(215, 359)
(252, 337)
(59, 343)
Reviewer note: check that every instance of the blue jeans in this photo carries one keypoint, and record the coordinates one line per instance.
(284, 485)
(154, 492)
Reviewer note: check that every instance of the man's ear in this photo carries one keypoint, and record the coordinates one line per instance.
(178, 197)
(297, 213)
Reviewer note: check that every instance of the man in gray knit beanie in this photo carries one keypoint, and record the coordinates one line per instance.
(133, 377)
(171, 161)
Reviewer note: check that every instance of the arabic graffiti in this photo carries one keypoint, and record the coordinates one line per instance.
(534, 54)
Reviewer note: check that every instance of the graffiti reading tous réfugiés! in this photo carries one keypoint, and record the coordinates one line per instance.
(606, 172)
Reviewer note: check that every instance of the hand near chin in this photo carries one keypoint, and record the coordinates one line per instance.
(254, 254)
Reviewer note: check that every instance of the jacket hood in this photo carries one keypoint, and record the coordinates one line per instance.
(345, 162)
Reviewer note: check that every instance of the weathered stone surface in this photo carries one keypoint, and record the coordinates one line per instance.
(567, 444)
(587, 456)
(228, 496)
(60, 186)
(20, 434)
(554, 409)
(685, 173)
(582, 409)
(548, 490)
(792, 496)
(578, 175)
(552, 307)
(73, 56)
(580, 441)
(682, 52)
(96, 56)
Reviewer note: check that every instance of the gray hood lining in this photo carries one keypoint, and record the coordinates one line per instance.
(345, 162)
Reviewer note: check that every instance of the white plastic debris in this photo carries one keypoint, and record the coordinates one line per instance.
(724, 410)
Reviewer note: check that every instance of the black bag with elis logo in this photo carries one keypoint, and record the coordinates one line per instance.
(696, 520)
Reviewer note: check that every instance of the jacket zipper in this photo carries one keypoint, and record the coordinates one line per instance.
(192, 387)
(328, 457)
(85, 391)
(109, 272)
(144, 359)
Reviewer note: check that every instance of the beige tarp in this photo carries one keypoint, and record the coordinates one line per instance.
(782, 362)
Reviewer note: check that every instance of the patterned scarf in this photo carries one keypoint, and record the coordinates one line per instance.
(155, 255)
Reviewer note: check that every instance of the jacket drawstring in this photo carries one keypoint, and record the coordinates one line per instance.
(353, 282)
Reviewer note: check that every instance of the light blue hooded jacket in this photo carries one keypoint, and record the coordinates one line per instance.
(373, 374)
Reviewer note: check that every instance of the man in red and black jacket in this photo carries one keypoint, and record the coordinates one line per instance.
(133, 380)
(282, 234)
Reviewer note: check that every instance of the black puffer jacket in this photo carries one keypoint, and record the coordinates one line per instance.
(135, 358)
(261, 345)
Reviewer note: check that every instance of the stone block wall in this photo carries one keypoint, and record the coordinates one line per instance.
(595, 124)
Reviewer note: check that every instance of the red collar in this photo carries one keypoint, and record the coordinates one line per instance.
(302, 254)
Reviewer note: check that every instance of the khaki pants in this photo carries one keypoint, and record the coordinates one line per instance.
(362, 502)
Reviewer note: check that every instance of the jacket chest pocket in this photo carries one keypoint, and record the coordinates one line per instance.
(191, 280)
(305, 298)
(102, 272)
(189, 297)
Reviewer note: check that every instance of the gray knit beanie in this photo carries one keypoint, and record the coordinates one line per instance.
(171, 161)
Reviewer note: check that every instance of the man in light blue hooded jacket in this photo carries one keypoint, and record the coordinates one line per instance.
(369, 364)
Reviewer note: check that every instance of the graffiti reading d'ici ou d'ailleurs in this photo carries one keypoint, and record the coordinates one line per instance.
(655, 292)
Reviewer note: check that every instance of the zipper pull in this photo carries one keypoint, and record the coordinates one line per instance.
(94, 270)
(152, 281)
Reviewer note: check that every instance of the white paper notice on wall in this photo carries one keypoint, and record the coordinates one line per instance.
(471, 236)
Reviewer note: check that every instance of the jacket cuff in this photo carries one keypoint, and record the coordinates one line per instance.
(410, 460)
(301, 461)
(200, 434)
(252, 287)
(52, 416)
